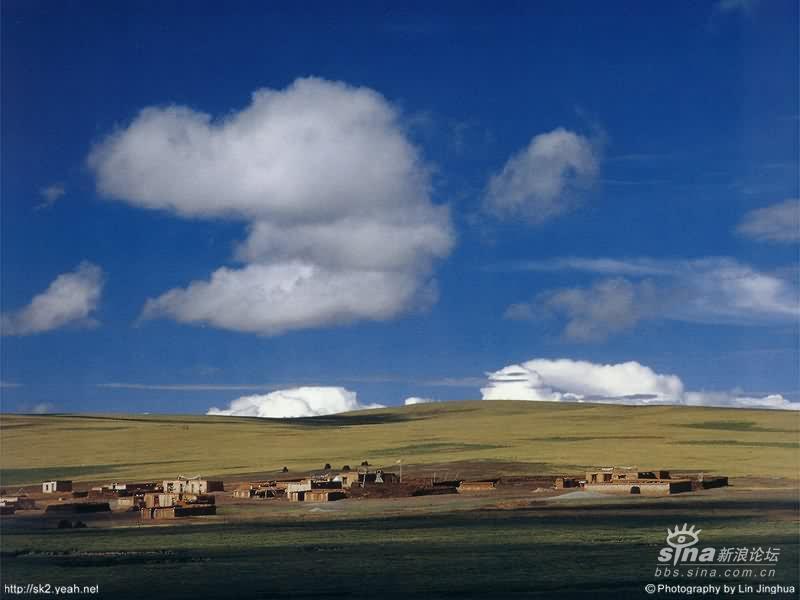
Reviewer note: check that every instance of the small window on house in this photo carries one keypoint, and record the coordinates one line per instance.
(606, 476)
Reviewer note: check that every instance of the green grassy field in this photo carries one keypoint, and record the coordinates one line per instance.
(596, 549)
(536, 437)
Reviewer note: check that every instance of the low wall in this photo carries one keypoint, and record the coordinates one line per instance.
(628, 489)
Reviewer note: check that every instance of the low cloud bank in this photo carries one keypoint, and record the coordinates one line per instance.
(294, 402)
(567, 380)
(416, 400)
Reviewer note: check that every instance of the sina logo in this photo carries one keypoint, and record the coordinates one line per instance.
(679, 546)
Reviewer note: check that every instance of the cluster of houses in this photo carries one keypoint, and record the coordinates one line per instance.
(325, 486)
(10, 504)
(189, 496)
(330, 485)
(171, 498)
(631, 480)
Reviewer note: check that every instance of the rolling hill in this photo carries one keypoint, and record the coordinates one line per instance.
(500, 437)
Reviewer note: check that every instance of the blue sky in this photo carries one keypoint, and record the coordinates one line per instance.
(647, 140)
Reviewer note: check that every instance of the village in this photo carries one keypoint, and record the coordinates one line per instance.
(184, 497)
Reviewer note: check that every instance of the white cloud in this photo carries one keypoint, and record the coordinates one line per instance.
(416, 400)
(591, 379)
(50, 195)
(608, 306)
(545, 179)
(606, 266)
(738, 400)
(9, 384)
(341, 226)
(706, 290)
(69, 300)
(271, 299)
(516, 382)
(566, 380)
(43, 408)
(295, 402)
(777, 223)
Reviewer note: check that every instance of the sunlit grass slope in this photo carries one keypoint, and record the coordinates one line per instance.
(541, 437)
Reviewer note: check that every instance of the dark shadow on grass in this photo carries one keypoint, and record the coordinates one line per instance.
(740, 443)
(734, 426)
(346, 420)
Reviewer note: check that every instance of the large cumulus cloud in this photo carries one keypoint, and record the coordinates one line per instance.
(307, 401)
(341, 225)
(567, 380)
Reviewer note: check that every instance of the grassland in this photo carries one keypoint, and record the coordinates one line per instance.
(544, 550)
(534, 437)
(518, 545)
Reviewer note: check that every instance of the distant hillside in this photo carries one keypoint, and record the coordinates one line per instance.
(537, 437)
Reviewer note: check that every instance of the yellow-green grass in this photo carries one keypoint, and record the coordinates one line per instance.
(539, 437)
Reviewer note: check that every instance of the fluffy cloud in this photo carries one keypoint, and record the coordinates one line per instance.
(607, 307)
(516, 382)
(566, 380)
(295, 402)
(545, 179)
(341, 226)
(777, 223)
(416, 400)
(709, 290)
(69, 300)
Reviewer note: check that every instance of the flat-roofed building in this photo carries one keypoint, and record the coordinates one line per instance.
(52, 487)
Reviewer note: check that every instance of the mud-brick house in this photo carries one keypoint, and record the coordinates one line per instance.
(204, 486)
(160, 499)
(347, 478)
(612, 474)
(132, 487)
(172, 506)
(244, 491)
(315, 491)
(631, 480)
(328, 495)
(486, 485)
(52, 487)
(177, 511)
(21, 502)
(561, 483)
(193, 485)
(124, 503)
